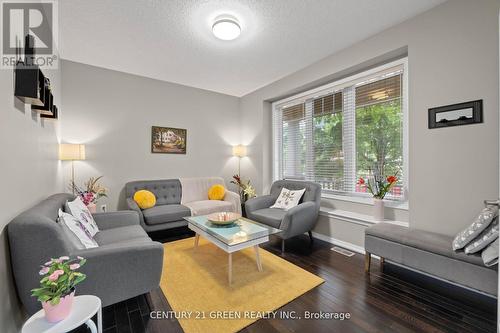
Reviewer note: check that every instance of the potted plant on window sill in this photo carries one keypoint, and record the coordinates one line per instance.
(57, 287)
(378, 187)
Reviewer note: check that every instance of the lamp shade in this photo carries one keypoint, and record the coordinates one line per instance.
(71, 152)
(240, 151)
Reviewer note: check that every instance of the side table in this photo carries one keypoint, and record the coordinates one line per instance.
(84, 308)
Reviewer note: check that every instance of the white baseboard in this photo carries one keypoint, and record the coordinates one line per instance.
(338, 242)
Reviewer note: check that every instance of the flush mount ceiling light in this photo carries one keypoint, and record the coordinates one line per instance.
(226, 28)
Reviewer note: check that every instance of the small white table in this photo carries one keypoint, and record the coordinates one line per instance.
(242, 234)
(84, 308)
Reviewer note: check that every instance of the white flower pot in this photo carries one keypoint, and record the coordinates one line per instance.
(378, 209)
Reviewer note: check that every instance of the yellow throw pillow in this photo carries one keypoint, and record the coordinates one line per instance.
(216, 192)
(144, 199)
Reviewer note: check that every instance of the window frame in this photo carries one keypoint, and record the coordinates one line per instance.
(350, 81)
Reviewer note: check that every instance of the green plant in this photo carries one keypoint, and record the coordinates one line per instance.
(59, 278)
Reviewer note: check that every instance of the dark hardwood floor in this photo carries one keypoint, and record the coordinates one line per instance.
(396, 300)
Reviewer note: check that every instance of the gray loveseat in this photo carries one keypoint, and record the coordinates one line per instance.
(178, 198)
(127, 262)
(430, 253)
(293, 222)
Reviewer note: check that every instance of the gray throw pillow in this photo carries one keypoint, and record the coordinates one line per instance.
(490, 254)
(480, 223)
(484, 239)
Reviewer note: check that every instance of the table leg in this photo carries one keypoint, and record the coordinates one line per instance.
(230, 268)
(91, 325)
(257, 257)
(196, 240)
(99, 320)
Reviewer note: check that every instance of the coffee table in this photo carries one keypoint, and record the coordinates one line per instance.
(242, 234)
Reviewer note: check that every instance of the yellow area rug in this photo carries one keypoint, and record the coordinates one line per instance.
(195, 284)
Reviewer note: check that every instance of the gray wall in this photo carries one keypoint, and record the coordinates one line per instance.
(112, 113)
(30, 172)
(453, 57)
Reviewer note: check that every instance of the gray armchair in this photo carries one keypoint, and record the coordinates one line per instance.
(293, 222)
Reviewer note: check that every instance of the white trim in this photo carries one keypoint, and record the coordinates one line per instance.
(400, 65)
(366, 200)
(338, 242)
(351, 217)
(340, 84)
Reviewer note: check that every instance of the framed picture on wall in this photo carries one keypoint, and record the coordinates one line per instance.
(168, 140)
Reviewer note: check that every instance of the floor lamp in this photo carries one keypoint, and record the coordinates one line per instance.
(239, 151)
(72, 152)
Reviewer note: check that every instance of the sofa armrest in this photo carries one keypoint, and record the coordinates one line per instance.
(264, 201)
(116, 219)
(132, 205)
(116, 272)
(233, 198)
(299, 219)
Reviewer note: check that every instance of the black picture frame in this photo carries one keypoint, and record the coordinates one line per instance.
(456, 114)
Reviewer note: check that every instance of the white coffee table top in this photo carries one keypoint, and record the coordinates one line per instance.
(84, 308)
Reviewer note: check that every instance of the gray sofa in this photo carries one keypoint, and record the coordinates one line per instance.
(127, 262)
(429, 253)
(293, 222)
(178, 198)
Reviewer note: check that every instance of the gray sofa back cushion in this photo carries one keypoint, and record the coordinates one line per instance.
(167, 191)
(312, 193)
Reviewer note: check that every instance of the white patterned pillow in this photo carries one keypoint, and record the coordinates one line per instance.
(78, 209)
(288, 199)
(72, 225)
(471, 232)
(484, 239)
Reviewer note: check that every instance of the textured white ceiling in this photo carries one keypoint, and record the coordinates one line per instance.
(171, 40)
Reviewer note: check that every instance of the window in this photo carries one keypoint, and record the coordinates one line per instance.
(345, 130)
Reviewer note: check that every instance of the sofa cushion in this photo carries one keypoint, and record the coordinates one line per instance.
(165, 213)
(269, 216)
(121, 234)
(166, 191)
(481, 222)
(196, 189)
(205, 207)
(420, 239)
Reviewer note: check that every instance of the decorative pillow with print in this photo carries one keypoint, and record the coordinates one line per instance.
(288, 199)
(484, 239)
(78, 209)
(471, 232)
(490, 254)
(71, 223)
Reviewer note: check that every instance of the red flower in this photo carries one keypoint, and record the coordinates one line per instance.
(392, 179)
(361, 181)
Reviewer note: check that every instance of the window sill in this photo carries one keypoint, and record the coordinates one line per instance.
(403, 205)
(362, 219)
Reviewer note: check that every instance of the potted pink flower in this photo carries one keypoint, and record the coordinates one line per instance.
(57, 287)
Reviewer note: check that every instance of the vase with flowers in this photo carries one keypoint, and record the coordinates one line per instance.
(246, 190)
(378, 186)
(57, 286)
(90, 193)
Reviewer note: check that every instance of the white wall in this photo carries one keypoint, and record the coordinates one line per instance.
(29, 170)
(453, 57)
(112, 113)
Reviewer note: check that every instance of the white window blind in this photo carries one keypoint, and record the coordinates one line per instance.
(342, 131)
